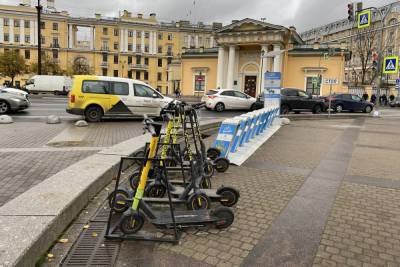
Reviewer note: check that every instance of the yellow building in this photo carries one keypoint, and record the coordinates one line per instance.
(131, 46)
(249, 48)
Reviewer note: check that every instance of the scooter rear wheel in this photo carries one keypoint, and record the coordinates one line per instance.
(205, 183)
(121, 200)
(221, 164)
(208, 169)
(132, 223)
(229, 197)
(155, 190)
(198, 202)
(213, 153)
(134, 180)
(225, 217)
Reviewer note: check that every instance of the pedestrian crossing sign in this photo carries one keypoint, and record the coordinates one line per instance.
(364, 19)
(391, 65)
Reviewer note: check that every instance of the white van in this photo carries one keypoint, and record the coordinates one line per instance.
(49, 84)
(96, 97)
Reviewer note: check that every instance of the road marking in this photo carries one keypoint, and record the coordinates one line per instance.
(50, 149)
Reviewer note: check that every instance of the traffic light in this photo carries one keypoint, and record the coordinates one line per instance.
(350, 11)
(375, 61)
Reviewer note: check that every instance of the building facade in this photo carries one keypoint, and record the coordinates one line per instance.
(130, 46)
(345, 31)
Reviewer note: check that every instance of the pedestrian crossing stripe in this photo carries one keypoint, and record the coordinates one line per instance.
(391, 65)
(364, 19)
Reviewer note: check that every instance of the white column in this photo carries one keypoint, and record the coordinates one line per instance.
(277, 59)
(150, 42)
(1, 30)
(142, 44)
(134, 41)
(196, 41)
(231, 67)
(220, 67)
(11, 31)
(22, 31)
(264, 63)
(189, 40)
(211, 41)
(35, 35)
(121, 40)
(70, 40)
(94, 38)
(126, 40)
(32, 31)
(155, 36)
(91, 41)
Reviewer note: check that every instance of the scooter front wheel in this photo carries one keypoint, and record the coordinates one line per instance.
(155, 190)
(213, 153)
(225, 217)
(121, 200)
(228, 196)
(198, 202)
(221, 164)
(205, 183)
(134, 180)
(132, 223)
(208, 169)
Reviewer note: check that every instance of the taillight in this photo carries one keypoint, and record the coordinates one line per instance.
(72, 98)
(211, 96)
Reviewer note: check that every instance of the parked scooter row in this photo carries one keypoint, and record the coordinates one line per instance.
(134, 203)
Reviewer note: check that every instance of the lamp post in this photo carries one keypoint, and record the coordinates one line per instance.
(39, 50)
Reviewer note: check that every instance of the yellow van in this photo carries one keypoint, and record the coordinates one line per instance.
(96, 97)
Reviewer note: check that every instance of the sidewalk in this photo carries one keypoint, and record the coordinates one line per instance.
(318, 193)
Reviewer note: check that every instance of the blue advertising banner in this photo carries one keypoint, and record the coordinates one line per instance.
(227, 132)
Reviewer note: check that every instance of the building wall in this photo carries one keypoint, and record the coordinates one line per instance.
(190, 66)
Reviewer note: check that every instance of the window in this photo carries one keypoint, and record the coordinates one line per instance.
(115, 73)
(160, 36)
(143, 91)
(169, 36)
(55, 54)
(139, 34)
(186, 41)
(138, 48)
(27, 54)
(146, 48)
(146, 35)
(200, 41)
(55, 26)
(313, 85)
(105, 31)
(42, 25)
(119, 88)
(116, 46)
(16, 23)
(138, 75)
(160, 62)
(105, 45)
(43, 40)
(130, 33)
(159, 49)
(105, 57)
(159, 76)
(129, 47)
(27, 24)
(104, 72)
(129, 59)
(146, 61)
(356, 98)
(228, 93)
(129, 74)
(239, 94)
(303, 94)
(169, 50)
(115, 59)
(6, 22)
(95, 87)
(55, 42)
(27, 38)
(16, 38)
(169, 60)
(138, 60)
(192, 43)
(146, 76)
(199, 82)
(116, 32)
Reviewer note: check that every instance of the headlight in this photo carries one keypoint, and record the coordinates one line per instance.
(16, 99)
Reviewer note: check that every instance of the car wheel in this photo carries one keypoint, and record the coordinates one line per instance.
(285, 109)
(4, 107)
(368, 109)
(339, 108)
(253, 107)
(93, 114)
(220, 107)
(317, 109)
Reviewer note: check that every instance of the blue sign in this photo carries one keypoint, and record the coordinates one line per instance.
(272, 80)
(391, 65)
(225, 136)
(364, 19)
(398, 81)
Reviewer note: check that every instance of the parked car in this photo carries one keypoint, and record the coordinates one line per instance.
(12, 102)
(298, 100)
(395, 102)
(349, 102)
(98, 96)
(223, 99)
(15, 91)
(49, 84)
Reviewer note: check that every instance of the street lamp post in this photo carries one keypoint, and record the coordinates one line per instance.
(39, 51)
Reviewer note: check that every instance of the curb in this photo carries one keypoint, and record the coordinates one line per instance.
(35, 219)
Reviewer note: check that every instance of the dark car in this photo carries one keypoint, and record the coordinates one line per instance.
(395, 102)
(297, 100)
(349, 102)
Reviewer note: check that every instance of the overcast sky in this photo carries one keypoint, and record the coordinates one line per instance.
(303, 14)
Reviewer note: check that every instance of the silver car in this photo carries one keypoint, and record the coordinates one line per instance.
(12, 102)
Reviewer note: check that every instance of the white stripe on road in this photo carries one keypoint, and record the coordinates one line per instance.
(49, 149)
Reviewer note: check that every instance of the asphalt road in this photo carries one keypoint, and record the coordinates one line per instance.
(45, 105)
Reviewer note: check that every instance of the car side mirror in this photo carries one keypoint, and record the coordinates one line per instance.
(155, 95)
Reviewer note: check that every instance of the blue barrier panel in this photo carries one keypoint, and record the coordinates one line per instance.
(245, 126)
(236, 140)
(226, 133)
(260, 128)
(250, 128)
(256, 124)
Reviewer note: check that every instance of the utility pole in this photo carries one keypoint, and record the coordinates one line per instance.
(39, 37)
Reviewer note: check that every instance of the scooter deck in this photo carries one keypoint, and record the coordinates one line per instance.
(184, 218)
(163, 200)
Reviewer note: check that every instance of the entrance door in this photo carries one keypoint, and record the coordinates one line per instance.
(250, 85)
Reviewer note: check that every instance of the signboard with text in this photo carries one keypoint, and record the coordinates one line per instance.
(331, 81)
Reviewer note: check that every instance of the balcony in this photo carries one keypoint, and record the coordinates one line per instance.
(138, 67)
(105, 49)
(104, 65)
(54, 45)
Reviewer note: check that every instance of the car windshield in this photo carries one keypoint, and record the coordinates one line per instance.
(211, 92)
(28, 82)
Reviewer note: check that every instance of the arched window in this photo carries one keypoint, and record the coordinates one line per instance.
(392, 21)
